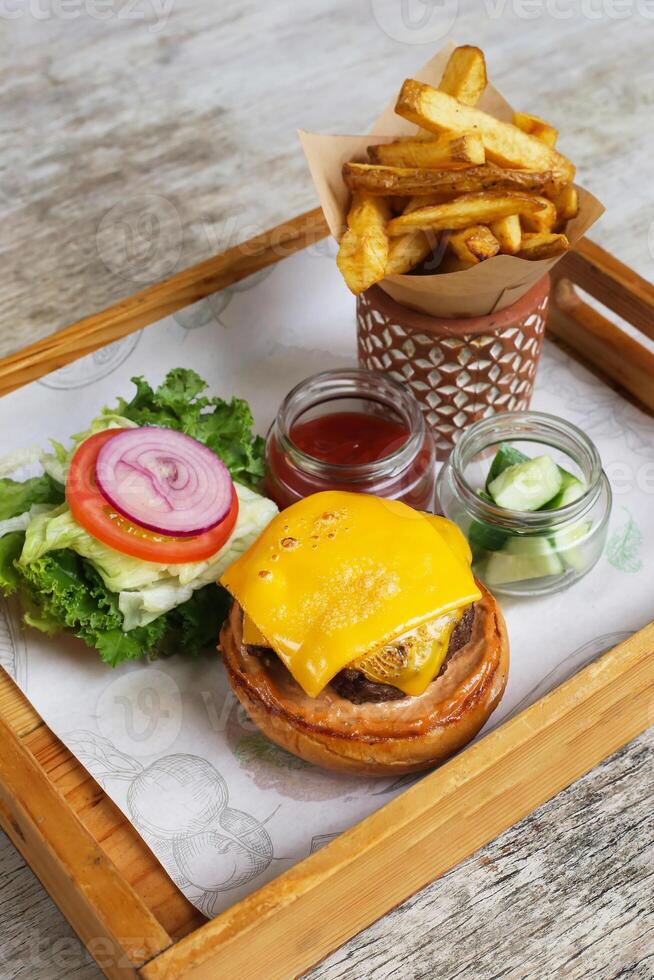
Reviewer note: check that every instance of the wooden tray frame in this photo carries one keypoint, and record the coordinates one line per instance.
(121, 902)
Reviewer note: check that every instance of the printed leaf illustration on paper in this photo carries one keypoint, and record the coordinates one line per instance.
(257, 746)
(623, 549)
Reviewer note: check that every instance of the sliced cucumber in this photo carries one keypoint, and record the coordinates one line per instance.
(527, 486)
(507, 455)
(522, 558)
(482, 536)
(568, 544)
(571, 489)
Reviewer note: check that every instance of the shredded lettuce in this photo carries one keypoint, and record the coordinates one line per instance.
(17, 498)
(21, 457)
(58, 530)
(146, 589)
(22, 521)
(124, 607)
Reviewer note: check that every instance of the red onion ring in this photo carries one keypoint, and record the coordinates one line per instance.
(164, 481)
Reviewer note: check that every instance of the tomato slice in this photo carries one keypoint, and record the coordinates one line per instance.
(98, 517)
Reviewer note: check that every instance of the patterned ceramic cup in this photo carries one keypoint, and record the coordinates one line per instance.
(459, 370)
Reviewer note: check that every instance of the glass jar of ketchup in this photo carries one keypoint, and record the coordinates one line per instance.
(351, 430)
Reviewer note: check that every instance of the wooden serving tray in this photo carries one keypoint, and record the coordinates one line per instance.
(121, 902)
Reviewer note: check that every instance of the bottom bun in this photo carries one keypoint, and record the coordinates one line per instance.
(382, 738)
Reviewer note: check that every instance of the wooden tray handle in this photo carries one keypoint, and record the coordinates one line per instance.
(618, 353)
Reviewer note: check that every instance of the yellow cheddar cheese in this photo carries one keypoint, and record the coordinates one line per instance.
(339, 575)
(453, 535)
(411, 661)
(252, 635)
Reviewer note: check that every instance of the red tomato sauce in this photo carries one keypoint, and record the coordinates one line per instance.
(349, 438)
(338, 441)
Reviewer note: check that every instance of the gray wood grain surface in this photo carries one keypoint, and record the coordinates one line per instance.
(134, 146)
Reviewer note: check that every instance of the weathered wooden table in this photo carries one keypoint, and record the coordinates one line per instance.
(139, 143)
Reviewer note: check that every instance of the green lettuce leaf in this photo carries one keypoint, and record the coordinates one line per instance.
(63, 591)
(22, 521)
(58, 530)
(17, 497)
(145, 589)
(11, 546)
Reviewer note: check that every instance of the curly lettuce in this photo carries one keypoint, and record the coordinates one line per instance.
(62, 591)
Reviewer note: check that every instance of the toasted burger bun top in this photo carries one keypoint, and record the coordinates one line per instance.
(397, 736)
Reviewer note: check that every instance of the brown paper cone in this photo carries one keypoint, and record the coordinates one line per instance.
(488, 287)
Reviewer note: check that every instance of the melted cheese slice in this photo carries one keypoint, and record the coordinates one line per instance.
(411, 662)
(454, 536)
(252, 635)
(339, 575)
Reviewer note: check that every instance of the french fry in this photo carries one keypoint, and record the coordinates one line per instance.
(543, 245)
(505, 144)
(422, 201)
(407, 251)
(464, 77)
(402, 181)
(543, 220)
(448, 152)
(508, 232)
(537, 127)
(474, 244)
(465, 187)
(363, 252)
(469, 209)
(567, 203)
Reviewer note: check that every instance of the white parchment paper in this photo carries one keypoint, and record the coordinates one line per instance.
(223, 809)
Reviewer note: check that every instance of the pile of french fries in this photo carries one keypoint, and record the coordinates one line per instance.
(464, 188)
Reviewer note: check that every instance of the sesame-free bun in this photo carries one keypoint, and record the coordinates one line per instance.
(382, 738)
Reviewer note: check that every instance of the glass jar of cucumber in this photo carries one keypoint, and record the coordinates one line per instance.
(529, 492)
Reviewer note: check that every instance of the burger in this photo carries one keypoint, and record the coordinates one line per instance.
(359, 639)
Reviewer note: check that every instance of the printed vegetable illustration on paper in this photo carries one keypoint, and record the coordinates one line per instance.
(623, 550)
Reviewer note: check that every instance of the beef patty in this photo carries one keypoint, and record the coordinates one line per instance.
(357, 688)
